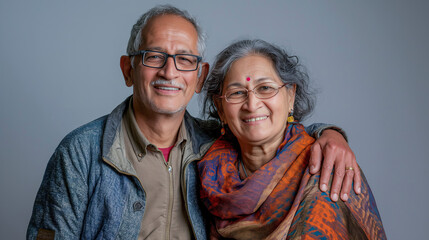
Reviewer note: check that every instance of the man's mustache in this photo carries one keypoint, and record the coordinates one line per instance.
(173, 83)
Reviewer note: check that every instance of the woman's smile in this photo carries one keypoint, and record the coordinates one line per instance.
(254, 119)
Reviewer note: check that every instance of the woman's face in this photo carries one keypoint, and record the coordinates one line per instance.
(255, 121)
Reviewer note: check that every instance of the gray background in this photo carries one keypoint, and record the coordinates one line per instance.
(59, 69)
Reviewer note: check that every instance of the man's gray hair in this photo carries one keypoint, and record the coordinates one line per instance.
(136, 32)
(286, 66)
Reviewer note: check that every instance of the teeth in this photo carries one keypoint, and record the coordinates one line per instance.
(169, 88)
(255, 119)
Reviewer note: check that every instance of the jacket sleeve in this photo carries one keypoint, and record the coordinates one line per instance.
(315, 130)
(61, 201)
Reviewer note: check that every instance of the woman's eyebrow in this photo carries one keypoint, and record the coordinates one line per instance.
(238, 84)
(234, 84)
(262, 79)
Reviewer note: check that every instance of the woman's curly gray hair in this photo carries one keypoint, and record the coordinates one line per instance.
(287, 68)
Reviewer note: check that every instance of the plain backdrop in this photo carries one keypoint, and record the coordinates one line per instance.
(59, 69)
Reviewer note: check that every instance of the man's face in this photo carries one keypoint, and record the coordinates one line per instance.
(170, 34)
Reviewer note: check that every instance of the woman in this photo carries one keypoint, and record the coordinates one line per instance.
(255, 179)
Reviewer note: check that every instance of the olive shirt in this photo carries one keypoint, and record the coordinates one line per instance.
(165, 216)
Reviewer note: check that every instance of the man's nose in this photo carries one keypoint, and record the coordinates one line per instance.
(169, 71)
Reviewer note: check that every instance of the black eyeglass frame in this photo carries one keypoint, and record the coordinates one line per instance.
(256, 95)
(142, 53)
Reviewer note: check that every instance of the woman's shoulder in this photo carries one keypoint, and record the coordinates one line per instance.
(357, 217)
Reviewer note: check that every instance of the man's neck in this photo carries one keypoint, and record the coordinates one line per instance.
(160, 129)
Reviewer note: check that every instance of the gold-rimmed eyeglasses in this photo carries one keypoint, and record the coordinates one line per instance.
(261, 91)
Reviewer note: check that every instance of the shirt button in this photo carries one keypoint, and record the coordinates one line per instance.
(170, 168)
(137, 206)
(140, 155)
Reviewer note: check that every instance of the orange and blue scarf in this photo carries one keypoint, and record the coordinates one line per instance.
(281, 200)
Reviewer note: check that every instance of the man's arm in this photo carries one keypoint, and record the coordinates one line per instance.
(61, 201)
(331, 144)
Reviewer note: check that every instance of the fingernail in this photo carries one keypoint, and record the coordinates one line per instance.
(324, 188)
(358, 190)
(335, 197)
(345, 197)
(312, 167)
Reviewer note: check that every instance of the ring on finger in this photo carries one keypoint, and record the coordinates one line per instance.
(349, 168)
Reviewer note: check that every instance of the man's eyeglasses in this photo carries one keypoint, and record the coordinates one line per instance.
(155, 59)
(261, 91)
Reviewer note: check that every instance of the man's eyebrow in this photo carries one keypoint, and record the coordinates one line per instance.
(155, 49)
(185, 51)
(159, 49)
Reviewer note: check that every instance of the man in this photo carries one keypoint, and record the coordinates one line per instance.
(132, 174)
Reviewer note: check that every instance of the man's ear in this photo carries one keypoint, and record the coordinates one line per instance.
(126, 70)
(204, 71)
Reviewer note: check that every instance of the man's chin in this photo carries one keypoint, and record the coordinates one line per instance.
(169, 110)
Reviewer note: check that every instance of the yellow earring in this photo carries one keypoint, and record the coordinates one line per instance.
(222, 130)
(290, 117)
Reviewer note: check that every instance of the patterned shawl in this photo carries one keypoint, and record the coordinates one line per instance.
(281, 200)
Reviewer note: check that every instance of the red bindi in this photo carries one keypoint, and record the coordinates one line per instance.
(248, 78)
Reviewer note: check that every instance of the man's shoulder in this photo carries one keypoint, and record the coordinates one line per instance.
(84, 135)
(99, 132)
(210, 124)
(202, 127)
(201, 131)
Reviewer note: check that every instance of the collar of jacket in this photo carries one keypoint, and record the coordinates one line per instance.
(200, 133)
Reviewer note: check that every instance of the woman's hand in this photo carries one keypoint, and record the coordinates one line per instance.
(337, 155)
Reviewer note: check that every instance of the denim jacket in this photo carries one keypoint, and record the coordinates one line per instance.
(90, 191)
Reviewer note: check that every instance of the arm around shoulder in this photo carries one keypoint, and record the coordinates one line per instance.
(315, 130)
(331, 146)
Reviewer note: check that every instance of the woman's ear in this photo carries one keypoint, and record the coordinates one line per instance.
(291, 90)
(218, 103)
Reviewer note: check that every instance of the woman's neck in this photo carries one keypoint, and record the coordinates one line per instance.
(254, 156)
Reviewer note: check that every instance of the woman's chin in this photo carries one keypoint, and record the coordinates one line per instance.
(255, 139)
